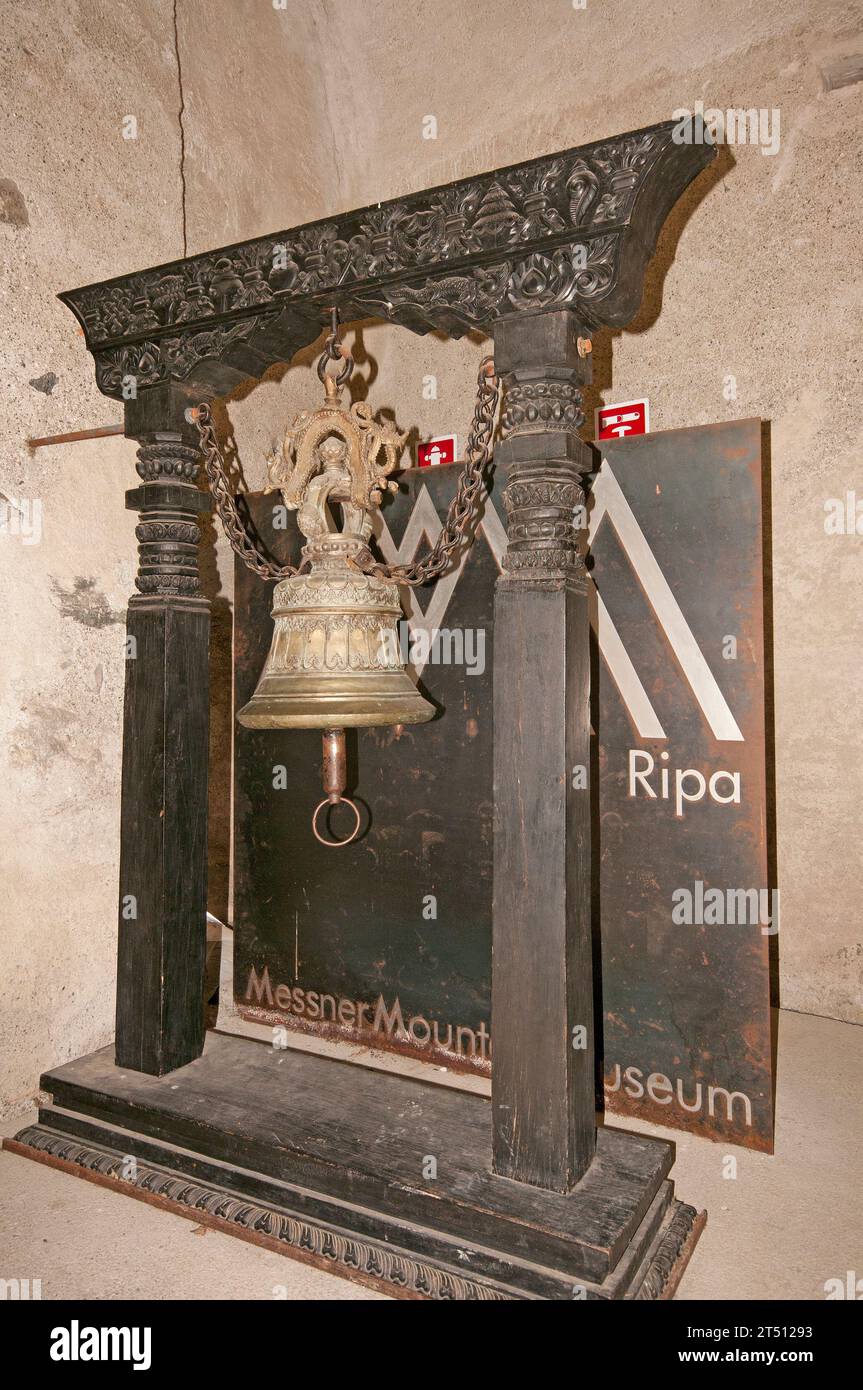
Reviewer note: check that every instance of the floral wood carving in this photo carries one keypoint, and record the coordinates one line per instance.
(574, 228)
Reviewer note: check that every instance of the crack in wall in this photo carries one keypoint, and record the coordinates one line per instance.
(180, 115)
(327, 35)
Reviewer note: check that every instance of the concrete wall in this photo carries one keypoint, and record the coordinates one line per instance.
(78, 203)
(758, 276)
(274, 117)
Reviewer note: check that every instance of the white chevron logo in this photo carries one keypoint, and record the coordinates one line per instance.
(608, 502)
(426, 524)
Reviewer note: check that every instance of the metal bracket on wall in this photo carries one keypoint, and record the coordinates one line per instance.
(73, 436)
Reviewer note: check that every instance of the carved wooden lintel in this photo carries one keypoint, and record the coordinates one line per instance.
(569, 230)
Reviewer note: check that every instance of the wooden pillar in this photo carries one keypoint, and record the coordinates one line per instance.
(542, 979)
(163, 865)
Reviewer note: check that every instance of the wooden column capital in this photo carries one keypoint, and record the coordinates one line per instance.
(543, 368)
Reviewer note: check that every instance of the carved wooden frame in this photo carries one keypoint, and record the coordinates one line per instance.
(570, 230)
(539, 254)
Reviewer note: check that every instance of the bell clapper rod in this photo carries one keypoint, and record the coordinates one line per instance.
(335, 764)
(335, 778)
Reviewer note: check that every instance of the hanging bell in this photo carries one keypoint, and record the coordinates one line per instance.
(335, 657)
(334, 660)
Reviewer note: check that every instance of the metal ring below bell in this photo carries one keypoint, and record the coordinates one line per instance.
(342, 801)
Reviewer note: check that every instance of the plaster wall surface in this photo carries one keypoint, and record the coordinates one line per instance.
(79, 202)
(759, 282)
(250, 119)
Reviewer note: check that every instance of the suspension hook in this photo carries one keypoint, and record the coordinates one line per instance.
(335, 351)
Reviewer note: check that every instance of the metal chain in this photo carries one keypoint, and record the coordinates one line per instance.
(459, 516)
(462, 507)
(235, 527)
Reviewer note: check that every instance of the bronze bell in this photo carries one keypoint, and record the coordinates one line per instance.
(334, 662)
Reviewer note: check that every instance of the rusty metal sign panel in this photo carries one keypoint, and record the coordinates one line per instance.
(388, 942)
(687, 910)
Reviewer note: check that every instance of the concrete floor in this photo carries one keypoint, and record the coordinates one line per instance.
(782, 1227)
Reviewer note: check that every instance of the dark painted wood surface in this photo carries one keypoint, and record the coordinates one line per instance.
(399, 1258)
(670, 1007)
(163, 846)
(542, 982)
(542, 966)
(160, 956)
(575, 228)
(364, 1137)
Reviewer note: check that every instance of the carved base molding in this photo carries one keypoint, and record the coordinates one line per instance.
(350, 1197)
(372, 1263)
(364, 1261)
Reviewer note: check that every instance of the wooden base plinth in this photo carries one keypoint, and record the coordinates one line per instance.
(375, 1177)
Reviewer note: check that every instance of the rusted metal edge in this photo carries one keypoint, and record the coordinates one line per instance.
(434, 1057)
(72, 436)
